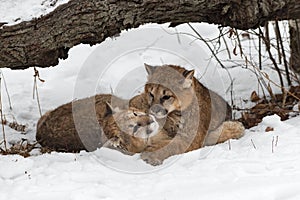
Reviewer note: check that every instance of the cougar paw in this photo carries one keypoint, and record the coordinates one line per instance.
(150, 158)
(112, 143)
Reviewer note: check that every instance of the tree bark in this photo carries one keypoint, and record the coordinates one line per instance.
(43, 41)
(294, 26)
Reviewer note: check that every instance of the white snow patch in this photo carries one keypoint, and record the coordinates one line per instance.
(12, 12)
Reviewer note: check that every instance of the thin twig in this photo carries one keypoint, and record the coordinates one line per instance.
(229, 144)
(276, 141)
(6, 90)
(227, 48)
(267, 43)
(239, 43)
(38, 100)
(35, 88)
(253, 144)
(283, 54)
(277, 34)
(178, 38)
(284, 98)
(273, 144)
(259, 52)
(2, 118)
(267, 35)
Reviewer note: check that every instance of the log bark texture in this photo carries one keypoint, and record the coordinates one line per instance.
(43, 41)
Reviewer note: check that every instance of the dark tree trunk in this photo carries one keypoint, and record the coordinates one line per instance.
(41, 42)
(295, 45)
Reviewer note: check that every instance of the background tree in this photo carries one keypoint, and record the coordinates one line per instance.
(294, 26)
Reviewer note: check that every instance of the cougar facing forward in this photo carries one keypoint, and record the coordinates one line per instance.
(191, 114)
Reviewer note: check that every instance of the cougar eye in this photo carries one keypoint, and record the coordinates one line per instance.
(135, 114)
(166, 97)
(135, 128)
(151, 95)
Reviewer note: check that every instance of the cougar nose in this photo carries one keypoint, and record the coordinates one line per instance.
(158, 110)
(148, 131)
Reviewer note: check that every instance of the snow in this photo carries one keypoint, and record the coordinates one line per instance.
(260, 165)
(12, 12)
(209, 173)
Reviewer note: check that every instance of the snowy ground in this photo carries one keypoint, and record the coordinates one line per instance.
(261, 165)
(210, 173)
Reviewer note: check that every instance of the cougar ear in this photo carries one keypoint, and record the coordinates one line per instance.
(110, 110)
(188, 74)
(150, 69)
(188, 78)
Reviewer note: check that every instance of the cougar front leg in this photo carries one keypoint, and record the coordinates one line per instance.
(155, 155)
